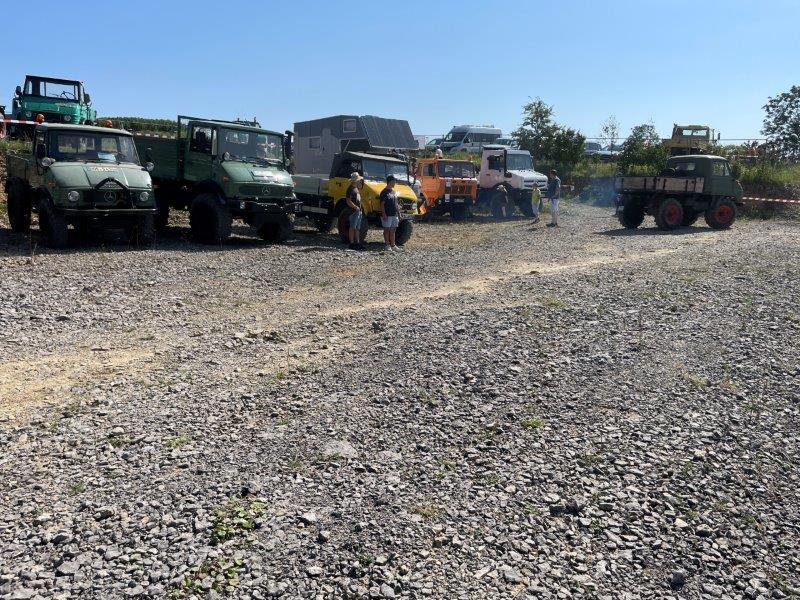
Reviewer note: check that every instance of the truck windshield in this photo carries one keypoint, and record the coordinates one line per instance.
(695, 133)
(465, 170)
(251, 145)
(455, 136)
(378, 170)
(53, 89)
(89, 146)
(519, 162)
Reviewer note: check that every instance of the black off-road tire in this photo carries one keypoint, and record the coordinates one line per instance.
(162, 214)
(143, 233)
(526, 207)
(277, 232)
(404, 231)
(52, 225)
(669, 214)
(210, 220)
(458, 213)
(690, 217)
(343, 225)
(721, 214)
(19, 206)
(631, 216)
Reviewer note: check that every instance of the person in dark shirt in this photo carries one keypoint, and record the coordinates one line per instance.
(390, 213)
(554, 193)
(353, 199)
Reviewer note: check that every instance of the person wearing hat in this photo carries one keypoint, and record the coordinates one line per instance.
(390, 213)
(353, 198)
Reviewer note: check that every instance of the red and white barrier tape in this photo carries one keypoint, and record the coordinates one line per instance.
(781, 200)
(15, 122)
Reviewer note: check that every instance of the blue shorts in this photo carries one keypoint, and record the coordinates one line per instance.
(390, 222)
(355, 220)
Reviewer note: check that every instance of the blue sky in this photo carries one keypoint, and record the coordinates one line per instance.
(435, 63)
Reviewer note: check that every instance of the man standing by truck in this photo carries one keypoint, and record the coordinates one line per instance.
(554, 193)
(354, 202)
(390, 211)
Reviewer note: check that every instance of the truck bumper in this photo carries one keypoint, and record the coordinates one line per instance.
(450, 201)
(258, 212)
(101, 213)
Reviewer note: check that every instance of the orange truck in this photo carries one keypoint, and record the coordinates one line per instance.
(448, 186)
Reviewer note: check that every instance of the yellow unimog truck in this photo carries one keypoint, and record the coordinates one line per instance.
(324, 201)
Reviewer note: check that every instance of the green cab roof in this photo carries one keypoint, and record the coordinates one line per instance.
(92, 128)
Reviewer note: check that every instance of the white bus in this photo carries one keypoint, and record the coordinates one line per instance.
(470, 138)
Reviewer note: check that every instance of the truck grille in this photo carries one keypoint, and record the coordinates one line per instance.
(110, 194)
(459, 190)
(56, 118)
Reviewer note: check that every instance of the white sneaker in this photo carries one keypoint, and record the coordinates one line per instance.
(389, 248)
(397, 248)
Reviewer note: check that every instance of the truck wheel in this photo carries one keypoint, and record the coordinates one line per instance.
(162, 213)
(458, 213)
(209, 220)
(143, 232)
(669, 214)
(721, 214)
(526, 207)
(52, 225)
(631, 216)
(343, 225)
(323, 224)
(276, 233)
(404, 231)
(19, 206)
(690, 217)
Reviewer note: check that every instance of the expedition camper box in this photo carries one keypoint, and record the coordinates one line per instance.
(316, 142)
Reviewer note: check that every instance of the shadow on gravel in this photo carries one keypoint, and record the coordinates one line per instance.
(622, 232)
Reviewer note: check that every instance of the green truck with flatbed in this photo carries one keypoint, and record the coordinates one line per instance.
(220, 171)
(689, 186)
(80, 176)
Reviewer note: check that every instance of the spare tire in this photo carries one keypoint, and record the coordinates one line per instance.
(404, 231)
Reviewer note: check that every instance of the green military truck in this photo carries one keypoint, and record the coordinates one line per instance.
(50, 100)
(80, 176)
(688, 187)
(221, 170)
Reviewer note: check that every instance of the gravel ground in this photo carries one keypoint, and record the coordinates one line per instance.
(499, 411)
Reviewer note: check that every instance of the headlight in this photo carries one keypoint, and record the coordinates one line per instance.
(29, 114)
(73, 196)
(67, 118)
(144, 196)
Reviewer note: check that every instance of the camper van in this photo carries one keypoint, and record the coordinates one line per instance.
(470, 138)
(316, 142)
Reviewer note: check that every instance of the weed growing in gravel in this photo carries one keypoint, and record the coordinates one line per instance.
(696, 380)
(119, 441)
(177, 441)
(365, 559)
(491, 478)
(221, 573)
(426, 511)
(75, 489)
(532, 422)
(236, 518)
(551, 302)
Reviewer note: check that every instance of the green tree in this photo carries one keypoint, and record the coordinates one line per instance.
(643, 150)
(545, 139)
(782, 124)
(609, 130)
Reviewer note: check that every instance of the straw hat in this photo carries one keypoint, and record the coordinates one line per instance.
(355, 177)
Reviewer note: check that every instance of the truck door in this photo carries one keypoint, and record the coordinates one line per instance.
(200, 152)
(721, 180)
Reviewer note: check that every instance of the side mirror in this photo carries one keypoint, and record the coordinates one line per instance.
(18, 91)
(225, 156)
(41, 151)
(87, 98)
(148, 166)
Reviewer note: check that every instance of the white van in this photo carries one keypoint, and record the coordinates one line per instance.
(470, 138)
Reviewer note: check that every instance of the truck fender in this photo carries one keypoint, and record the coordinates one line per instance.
(340, 206)
(208, 187)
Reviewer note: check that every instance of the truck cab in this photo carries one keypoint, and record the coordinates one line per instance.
(512, 168)
(715, 171)
(689, 139)
(56, 100)
(448, 185)
(80, 175)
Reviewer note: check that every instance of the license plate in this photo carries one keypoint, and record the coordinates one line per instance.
(459, 201)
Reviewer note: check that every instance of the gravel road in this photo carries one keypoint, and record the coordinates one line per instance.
(499, 411)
